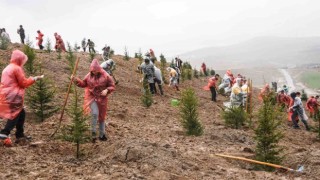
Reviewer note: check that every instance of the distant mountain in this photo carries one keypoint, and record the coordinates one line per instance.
(258, 52)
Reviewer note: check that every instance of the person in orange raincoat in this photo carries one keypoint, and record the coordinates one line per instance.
(312, 106)
(98, 85)
(59, 43)
(40, 39)
(12, 90)
(212, 86)
(283, 100)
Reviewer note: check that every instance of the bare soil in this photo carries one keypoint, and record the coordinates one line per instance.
(148, 143)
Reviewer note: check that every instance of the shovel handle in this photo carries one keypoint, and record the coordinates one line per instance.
(256, 162)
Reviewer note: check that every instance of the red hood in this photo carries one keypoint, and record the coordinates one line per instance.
(18, 58)
(95, 66)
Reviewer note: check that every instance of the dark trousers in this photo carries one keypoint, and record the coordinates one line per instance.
(152, 88)
(294, 115)
(84, 49)
(22, 39)
(92, 49)
(18, 122)
(41, 47)
(213, 94)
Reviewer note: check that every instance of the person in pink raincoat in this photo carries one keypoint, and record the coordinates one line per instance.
(98, 85)
(12, 90)
(40, 39)
(59, 43)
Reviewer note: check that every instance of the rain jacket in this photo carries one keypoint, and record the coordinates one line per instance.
(94, 85)
(283, 99)
(158, 74)
(148, 71)
(236, 93)
(312, 105)
(40, 38)
(211, 83)
(13, 84)
(59, 43)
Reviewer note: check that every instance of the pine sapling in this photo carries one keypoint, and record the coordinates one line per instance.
(41, 97)
(140, 57)
(189, 113)
(71, 58)
(195, 73)
(212, 72)
(304, 96)
(92, 55)
(59, 54)
(78, 131)
(146, 98)
(48, 46)
(30, 64)
(163, 63)
(76, 47)
(126, 54)
(234, 117)
(268, 134)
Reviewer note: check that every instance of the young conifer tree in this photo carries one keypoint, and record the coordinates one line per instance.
(140, 57)
(30, 64)
(163, 63)
(71, 58)
(59, 54)
(126, 54)
(76, 47)
(267, 134)
(41, 97)
(48, 46)
(304, 96)
(234, 117)
(146, 97)
(195, 73)
(189, 113)
(78, 131)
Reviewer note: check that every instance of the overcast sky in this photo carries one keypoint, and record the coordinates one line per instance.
(168, 26)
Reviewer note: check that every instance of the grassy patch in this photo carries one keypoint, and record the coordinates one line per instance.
(311, 79)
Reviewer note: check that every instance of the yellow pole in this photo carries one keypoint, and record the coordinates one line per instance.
(256, 162)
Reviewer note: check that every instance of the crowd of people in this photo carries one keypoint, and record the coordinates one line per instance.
(100, 82)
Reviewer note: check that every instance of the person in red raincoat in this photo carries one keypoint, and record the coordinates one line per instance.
(98, 85)
(40, 39)
(283, 100)
(212, 86)
(12, 90)
(59, 43)
(312, 106)
(204, 68)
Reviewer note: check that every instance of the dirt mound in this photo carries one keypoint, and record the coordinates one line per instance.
(146, 143)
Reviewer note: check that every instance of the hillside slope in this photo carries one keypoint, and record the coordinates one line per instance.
(259, 52)
(146, 143)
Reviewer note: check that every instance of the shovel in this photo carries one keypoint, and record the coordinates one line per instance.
(300, 168)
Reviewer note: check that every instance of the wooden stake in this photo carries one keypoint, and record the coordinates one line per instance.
(67, 96)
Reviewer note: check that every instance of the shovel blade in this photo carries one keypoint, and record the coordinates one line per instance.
(300, 168)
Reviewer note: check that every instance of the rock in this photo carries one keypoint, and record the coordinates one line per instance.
(167, 146)
(248, 150)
